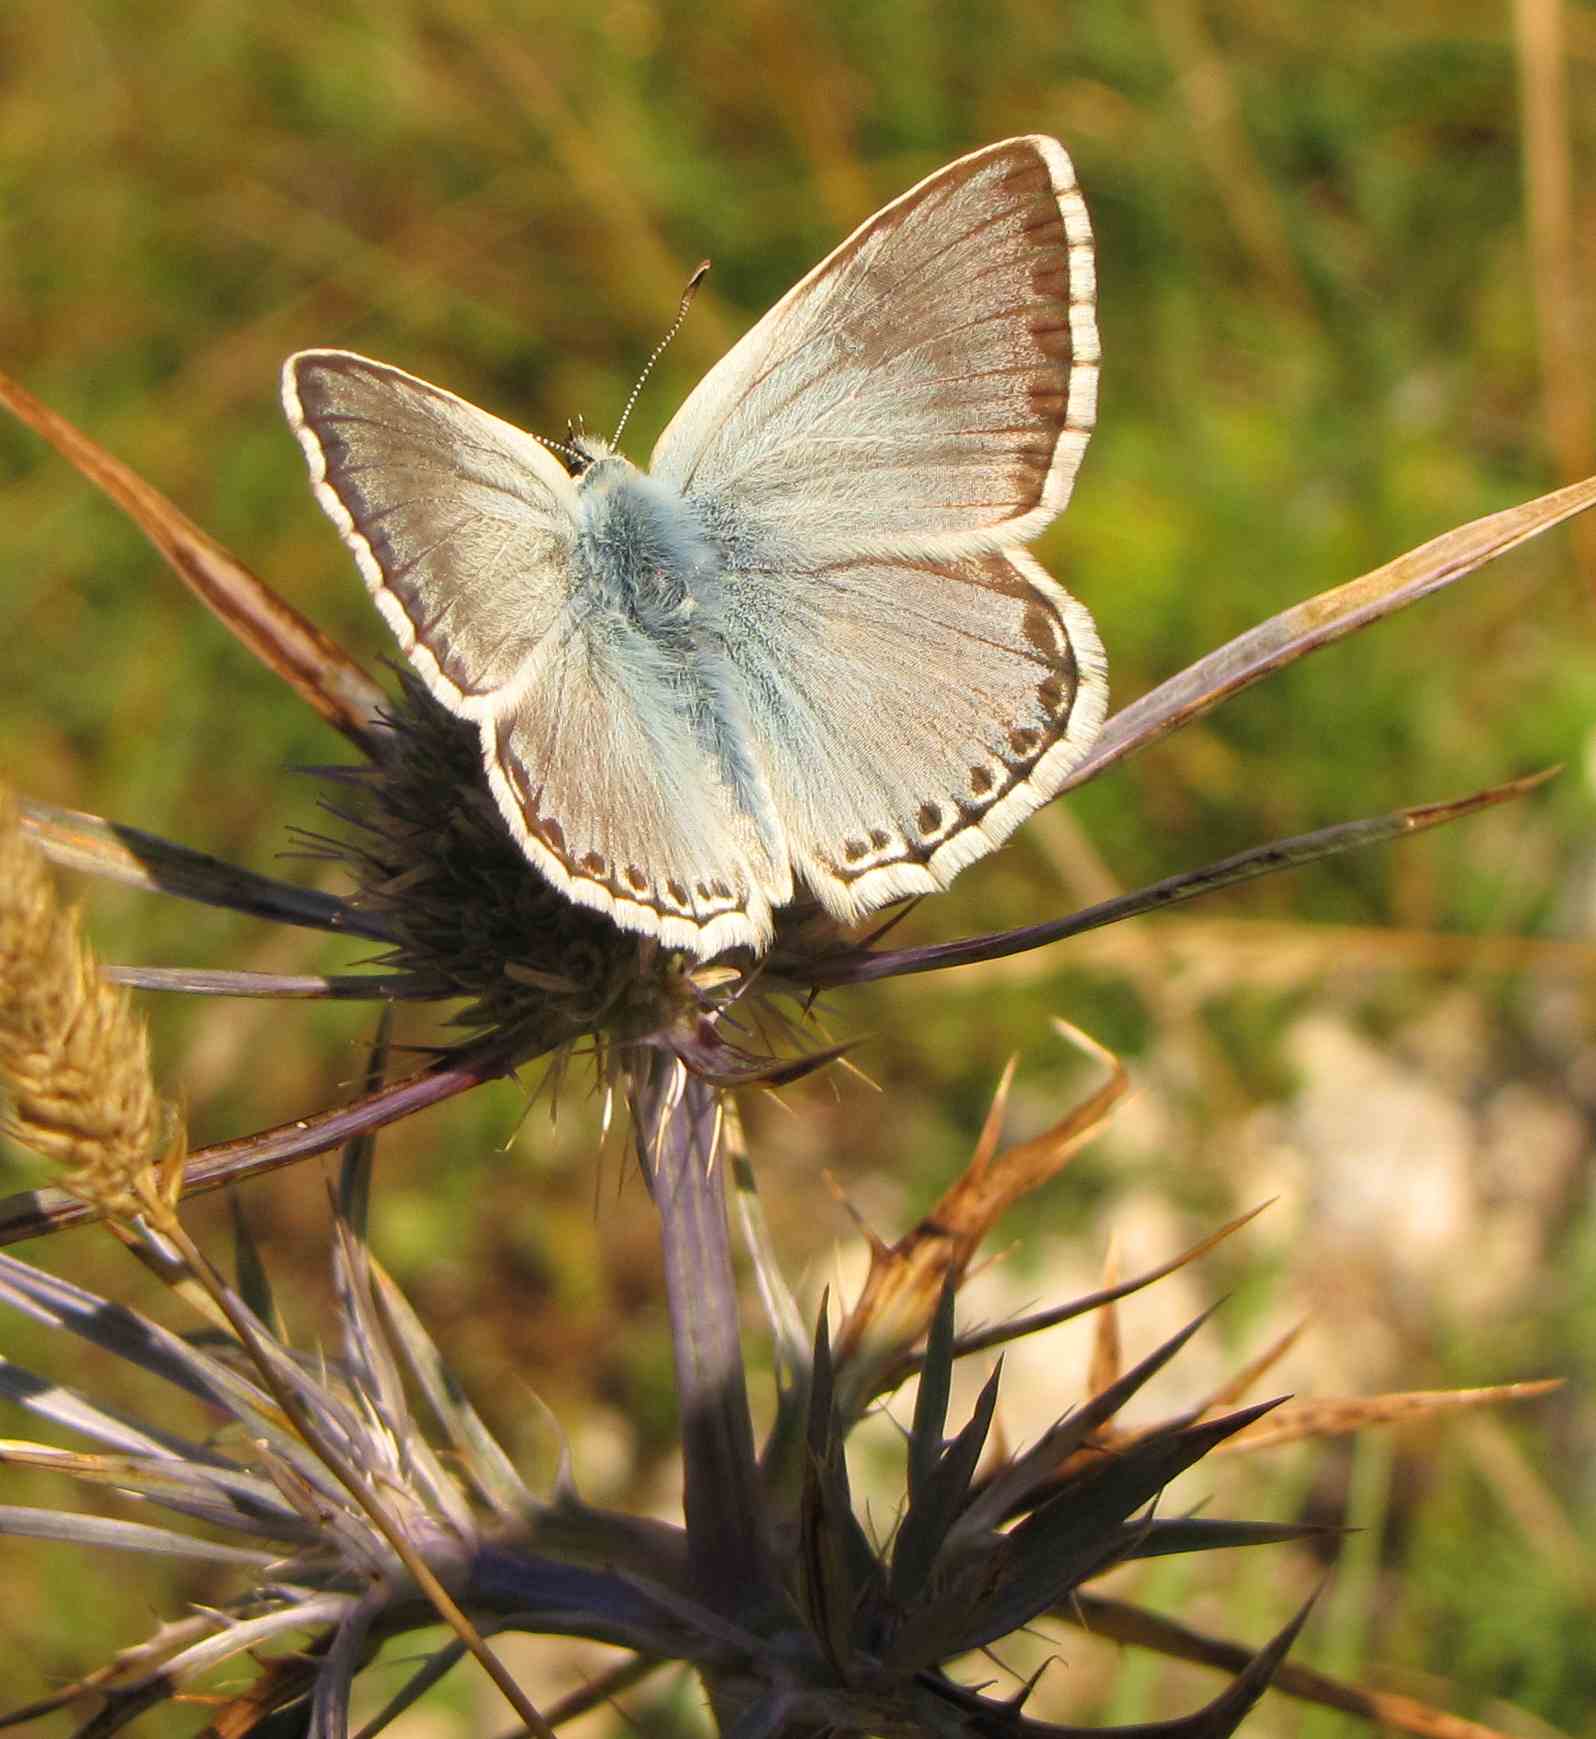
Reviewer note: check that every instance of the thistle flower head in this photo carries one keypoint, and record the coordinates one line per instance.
(437, 870)
(341, 1501)
(434, 863)
(312, 1450)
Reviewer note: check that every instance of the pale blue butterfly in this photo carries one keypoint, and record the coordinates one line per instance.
(807, 646)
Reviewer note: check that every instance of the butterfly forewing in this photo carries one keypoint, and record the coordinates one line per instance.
(929, 386)
(877, 451)
(463, 525)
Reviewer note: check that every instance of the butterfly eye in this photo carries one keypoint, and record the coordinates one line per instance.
(576, 449)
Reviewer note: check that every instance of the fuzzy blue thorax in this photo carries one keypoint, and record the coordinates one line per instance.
(643, 549)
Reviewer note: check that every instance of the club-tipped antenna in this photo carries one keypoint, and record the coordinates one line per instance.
(659, 349)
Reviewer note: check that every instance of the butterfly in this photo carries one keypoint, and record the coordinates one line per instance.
(807, 649)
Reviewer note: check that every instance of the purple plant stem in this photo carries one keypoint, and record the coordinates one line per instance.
(678, 1122)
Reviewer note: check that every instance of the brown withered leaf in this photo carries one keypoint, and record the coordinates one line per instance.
(1107, 1353)
(900, 1293)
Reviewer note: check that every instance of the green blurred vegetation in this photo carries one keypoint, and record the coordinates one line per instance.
(1325, 324)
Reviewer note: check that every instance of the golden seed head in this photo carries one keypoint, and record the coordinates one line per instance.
(74, 1057)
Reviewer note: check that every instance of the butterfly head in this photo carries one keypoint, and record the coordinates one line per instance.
(579, 451)
(589, 450)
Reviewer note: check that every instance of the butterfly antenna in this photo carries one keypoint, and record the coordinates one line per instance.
(659, 349)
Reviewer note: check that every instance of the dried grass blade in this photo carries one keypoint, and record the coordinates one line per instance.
(906, 1279)
(338, 987)
(1322, 620)
(1338, 1416)
(18, 1521)
(1126, 1623)
(31, 1213)
(1235, 1389)
(1000, 1334)
(1242, 866)
(136, 859)
(312, 664)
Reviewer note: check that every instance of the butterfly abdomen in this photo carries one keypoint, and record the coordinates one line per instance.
(650, 592)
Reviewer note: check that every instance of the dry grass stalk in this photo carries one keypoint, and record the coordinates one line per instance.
(74, 1057)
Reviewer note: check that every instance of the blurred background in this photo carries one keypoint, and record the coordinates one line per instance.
(1345, 255)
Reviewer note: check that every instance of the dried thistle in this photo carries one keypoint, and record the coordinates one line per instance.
(346, 1481)
(74, 1057)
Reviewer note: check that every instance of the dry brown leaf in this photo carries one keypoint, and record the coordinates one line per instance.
(1336, 1416)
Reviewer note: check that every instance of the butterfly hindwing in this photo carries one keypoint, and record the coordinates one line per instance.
(918, 710)
(601, 769)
